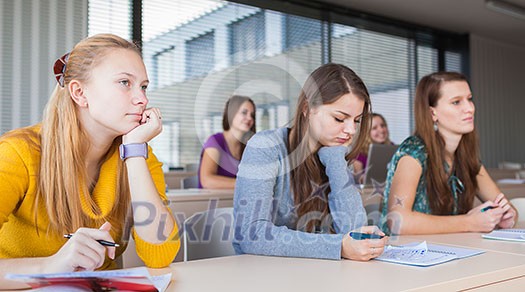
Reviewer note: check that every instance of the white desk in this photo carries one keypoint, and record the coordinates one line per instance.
(198, 194)
(516, 284)
(264, 273)
(490, 271)
(473, 240)
(186, 202)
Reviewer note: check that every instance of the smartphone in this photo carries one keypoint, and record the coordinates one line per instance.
(361, 236)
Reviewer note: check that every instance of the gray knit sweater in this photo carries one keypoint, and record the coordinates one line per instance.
(264, 212)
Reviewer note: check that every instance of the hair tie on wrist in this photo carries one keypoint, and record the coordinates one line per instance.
(60, 69)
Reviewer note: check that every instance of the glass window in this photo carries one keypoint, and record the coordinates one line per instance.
(224, 50)
(164, 67)
(110, 17)
(301, 31)
(200, 55)
(452, 61)
(427, 60)
(383, 62)
(247, 38)
(166, 145)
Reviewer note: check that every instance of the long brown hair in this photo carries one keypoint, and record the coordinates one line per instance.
(325, 85)
(231, 108)
(466, 158)
(63, 179)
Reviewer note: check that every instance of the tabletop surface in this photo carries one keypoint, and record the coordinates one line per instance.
(266, 273)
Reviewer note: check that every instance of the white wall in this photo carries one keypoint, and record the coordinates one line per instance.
(498, 86)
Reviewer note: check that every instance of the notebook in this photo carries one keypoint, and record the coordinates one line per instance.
(423, 255)
(133, 279)
(506, 234)
(379, 155)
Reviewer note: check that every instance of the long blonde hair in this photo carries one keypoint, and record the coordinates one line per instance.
(366, 146)
(63, 180)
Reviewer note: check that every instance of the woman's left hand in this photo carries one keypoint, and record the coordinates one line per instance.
(509, 217)
(150, 126)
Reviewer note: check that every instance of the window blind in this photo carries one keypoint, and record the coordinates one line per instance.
(33, 34)
(110, 16)
(198, 53)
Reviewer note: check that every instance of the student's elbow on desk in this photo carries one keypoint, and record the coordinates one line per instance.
(254, 238)
(246, 245)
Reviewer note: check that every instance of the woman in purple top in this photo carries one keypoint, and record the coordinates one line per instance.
(378, 135)
(222, 152)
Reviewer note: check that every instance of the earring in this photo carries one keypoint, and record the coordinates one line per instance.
(435, 126)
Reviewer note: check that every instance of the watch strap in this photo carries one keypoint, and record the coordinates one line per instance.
(133, 150)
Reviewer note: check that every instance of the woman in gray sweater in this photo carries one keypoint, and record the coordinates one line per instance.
(295, 194)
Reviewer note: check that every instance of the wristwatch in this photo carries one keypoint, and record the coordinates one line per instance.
(133, 150)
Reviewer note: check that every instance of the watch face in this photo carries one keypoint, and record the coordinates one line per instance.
(121, 151)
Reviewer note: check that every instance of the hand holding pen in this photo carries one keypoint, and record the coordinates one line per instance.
(85, 250)
(484, 217)
(101, 241)
(503, 206)
(364, 244)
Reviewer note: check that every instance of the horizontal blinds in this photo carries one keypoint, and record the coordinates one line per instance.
(223, 50)
(383, 62)
(198, 53)
(33, 34)
(110, 16)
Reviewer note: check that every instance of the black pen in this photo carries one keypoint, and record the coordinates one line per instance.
(103, 242)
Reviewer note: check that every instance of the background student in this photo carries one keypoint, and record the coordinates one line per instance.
(295, 194)
(436, 173)
(378, 135)
(222, 152)
(65, 176)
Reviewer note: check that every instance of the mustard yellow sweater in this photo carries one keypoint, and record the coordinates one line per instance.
(19, 165)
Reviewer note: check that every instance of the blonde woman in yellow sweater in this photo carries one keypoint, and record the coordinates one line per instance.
(80, 170)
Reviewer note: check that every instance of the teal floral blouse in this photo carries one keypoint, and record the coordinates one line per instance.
(414, 147)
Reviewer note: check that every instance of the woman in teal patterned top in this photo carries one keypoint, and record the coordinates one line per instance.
(435, 174)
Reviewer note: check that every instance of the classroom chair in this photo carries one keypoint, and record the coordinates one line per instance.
(190, 182)
(509, 165)
(192, 167)
(519, 203)
(208, 234)
(373, 213)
